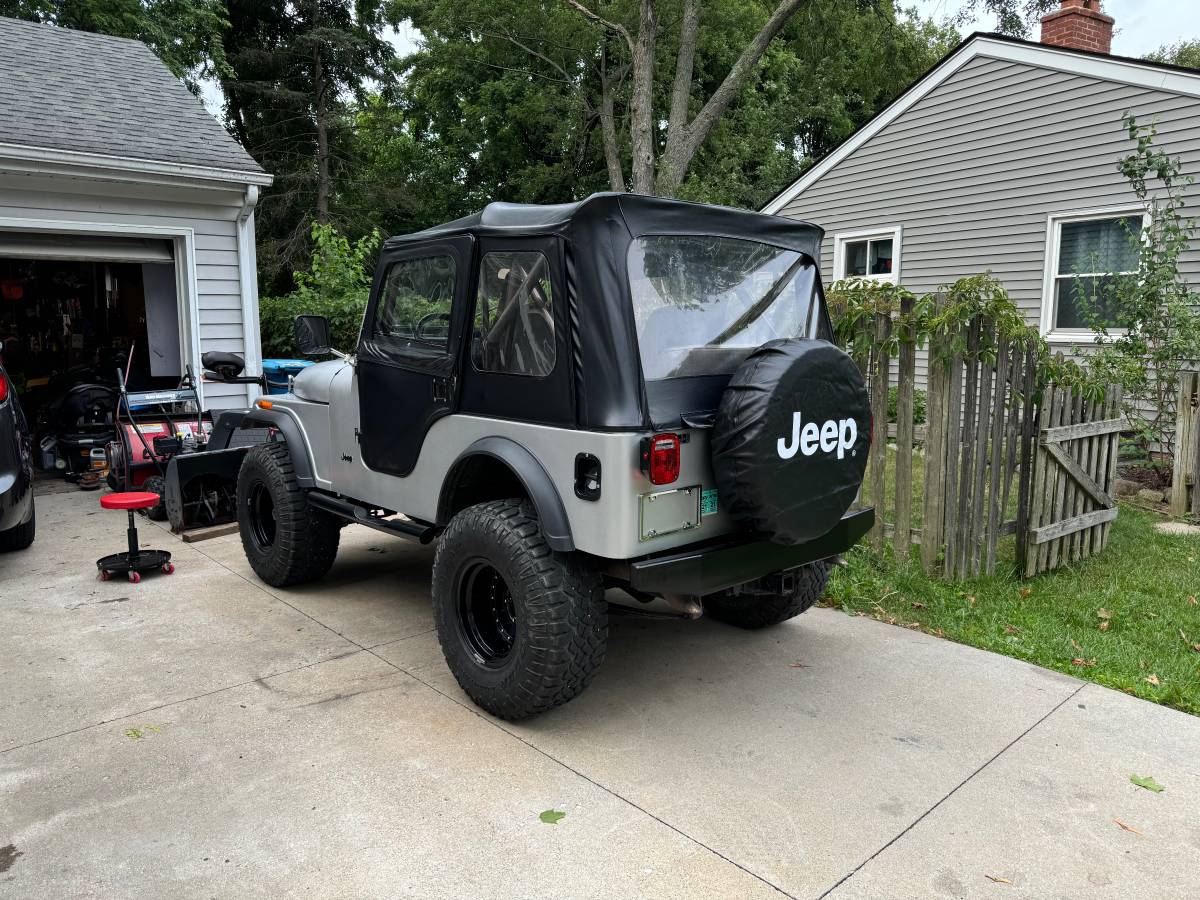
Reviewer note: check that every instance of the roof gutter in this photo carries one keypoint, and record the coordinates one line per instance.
(43, 159)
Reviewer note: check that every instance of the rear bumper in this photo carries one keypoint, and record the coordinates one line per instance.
(715, 567)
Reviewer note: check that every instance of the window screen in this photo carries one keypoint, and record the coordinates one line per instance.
(514, 315)
(414, 307)
(1092, 257)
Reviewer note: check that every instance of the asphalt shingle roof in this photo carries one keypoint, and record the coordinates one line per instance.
(91, 93)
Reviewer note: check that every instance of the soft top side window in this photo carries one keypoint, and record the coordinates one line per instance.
(415, 302)
(514, 314)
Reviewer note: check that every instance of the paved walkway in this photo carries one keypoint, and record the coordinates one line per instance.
(204, 735)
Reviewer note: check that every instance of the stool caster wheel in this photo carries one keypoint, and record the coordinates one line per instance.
(104, 576)
(134, 577)
(169, 568)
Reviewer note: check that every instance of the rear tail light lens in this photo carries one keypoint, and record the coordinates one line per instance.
(660, 458)
(3, 388)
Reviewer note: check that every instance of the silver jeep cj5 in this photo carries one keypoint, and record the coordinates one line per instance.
(625, 392)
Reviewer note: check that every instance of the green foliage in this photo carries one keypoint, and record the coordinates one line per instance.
(1147, 782)
(552, 816)
(337, 286)
(186, 34)
(1147, 325)
(1184, 53)
(919, 401)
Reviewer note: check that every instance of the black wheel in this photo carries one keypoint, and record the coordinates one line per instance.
(770, 600)
(285, 539)
(156, 484)
(523, 628)
(21, 535)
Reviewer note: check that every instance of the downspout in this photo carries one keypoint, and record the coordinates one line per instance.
(248, 275)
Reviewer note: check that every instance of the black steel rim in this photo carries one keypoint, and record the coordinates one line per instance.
(262, 516)
(487, 615)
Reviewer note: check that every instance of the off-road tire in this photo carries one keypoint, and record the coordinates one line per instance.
(753, 608)
(559, 615)
(20, 535)
(304, 541)
(156, 484)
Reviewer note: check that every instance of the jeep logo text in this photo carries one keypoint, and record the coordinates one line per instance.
(829, 436)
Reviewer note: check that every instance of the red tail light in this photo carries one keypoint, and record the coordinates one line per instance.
(660, 458)
(3, 388)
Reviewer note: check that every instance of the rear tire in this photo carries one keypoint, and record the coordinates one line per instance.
(759, 606)
(21, 535)
(286, 540)
(156, 484)
(523, 628)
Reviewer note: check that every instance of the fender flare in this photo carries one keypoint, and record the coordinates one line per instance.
(556, 527)
(292, 436)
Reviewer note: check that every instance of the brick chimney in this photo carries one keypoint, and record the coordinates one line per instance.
(1079, 25)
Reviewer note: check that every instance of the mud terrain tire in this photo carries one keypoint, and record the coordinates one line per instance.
(523, 628)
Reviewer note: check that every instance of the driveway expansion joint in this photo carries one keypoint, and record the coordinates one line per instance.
(917, 821)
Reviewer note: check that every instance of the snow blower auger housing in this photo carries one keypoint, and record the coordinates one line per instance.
(624, 392)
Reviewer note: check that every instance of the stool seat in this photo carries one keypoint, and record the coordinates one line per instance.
(129, 500)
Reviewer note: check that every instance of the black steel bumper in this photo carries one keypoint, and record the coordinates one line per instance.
(715, 567)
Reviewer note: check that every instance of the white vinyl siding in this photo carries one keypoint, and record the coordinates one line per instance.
(210, 214)
(974, 168)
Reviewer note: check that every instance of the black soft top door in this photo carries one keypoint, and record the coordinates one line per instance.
(409, 349)
(517, 358)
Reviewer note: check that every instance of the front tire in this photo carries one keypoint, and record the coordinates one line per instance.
(286, 540)
(21, 535)
(767, 602)
(523, 628)
(156, 484)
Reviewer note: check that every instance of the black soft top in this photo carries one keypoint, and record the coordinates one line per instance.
(597, 232)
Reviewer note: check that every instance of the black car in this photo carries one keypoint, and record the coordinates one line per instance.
(17, 522)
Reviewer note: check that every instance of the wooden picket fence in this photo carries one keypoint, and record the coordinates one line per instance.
(1185, 479)
(991, 453)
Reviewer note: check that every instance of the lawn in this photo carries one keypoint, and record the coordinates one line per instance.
(1127, 618)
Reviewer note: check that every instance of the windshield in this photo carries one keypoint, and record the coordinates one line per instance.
(702, 303)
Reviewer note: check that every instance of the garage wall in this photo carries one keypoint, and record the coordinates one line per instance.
(210, 214)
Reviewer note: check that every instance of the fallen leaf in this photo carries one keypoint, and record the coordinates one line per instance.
(1147, 782)
(1085, 663)
(552, 816)
(1104, 613)
(1152, 679)
(133, 734)
(942, 634)
(1152, 615)
(1128, 828)
(797, 665)
(1012, 629)
(917, 605)
(1183, 635)
(1196, 647)
(971, 599)
(1025, 592)
(1104, 625)
(1192, 600)
(996, 878)
(1075, 644)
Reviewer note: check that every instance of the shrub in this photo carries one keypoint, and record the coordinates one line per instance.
(918, 405)
(336, 286)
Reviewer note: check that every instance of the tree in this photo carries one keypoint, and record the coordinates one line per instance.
(295, 71)
(1184, 53)
(1015, 17)
(1147, 325)
(185, 34)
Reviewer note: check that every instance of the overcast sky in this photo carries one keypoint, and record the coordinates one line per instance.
(1142, 25)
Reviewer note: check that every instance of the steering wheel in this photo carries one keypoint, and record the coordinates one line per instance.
(432, 317)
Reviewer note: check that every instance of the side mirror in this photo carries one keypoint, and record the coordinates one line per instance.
(312, 335)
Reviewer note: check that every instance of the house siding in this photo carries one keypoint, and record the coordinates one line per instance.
(210, 214)
(973, 169)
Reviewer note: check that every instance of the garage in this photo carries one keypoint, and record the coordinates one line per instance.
(126, 228)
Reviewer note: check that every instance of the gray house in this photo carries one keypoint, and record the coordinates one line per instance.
(1003, 157)
(126, 215)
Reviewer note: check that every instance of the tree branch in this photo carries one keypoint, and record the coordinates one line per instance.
(681, 90)
(611, 26)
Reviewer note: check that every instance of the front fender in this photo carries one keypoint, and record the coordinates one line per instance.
(533, 477)
(290, 431)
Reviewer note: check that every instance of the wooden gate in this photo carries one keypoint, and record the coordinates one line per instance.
(1185, 481)
(1071, 504)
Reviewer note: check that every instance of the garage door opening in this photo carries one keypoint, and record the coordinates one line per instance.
(74, 310)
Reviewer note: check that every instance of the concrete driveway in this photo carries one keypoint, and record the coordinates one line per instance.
(204, 735)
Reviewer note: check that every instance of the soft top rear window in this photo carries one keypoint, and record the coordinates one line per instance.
(701, 303)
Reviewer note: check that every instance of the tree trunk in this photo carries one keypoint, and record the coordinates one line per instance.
(641, 102)
(320, 89)
(681, 90)
(678, 156)
(608, 128)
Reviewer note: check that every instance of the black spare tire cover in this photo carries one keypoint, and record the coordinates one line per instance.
(790, 439)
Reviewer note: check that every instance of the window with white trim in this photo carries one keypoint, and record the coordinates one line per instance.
(867, 254)
(1086, 256)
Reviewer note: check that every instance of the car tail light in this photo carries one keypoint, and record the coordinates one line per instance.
(3, 388)
(660, 458)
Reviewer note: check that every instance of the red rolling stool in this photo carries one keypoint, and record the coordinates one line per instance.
(133, 561)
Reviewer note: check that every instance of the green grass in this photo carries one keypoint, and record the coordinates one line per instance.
(1147, 582)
